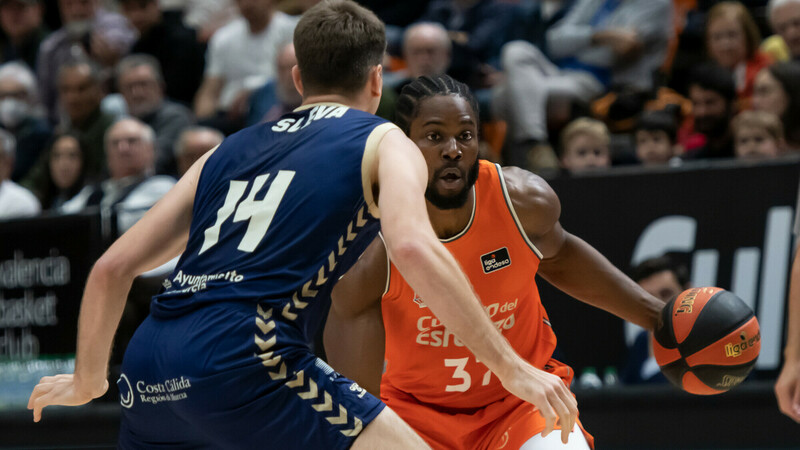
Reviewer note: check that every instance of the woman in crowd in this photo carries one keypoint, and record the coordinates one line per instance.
(777, 90)
(732, 41)
(64, 176)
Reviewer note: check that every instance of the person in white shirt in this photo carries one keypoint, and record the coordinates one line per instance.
(240, 58)
(15, 200)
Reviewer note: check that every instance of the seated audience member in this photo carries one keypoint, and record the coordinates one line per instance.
(278, 96)
(477, 29)
(205, 16)
(65, 172)
(88, 31)
(585, 146)
(732, 41)
(142, 86)
(784, 17)
(180, 54)
(597, 45)
(664, 279)
(533, 18)
(21, 115)
(193, 143)
(777, 90)
(427, 51)
(23, 30)
(713, 96)
(80, 92)
(15, 200)
(241, 57)
(656, 138)
(757, 135)
(132, 188)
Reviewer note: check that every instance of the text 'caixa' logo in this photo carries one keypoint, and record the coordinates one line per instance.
(495, 260)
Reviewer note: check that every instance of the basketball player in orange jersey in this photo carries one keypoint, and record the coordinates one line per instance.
(502, 226)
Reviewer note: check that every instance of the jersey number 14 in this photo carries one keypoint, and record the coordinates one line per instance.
(258, 212)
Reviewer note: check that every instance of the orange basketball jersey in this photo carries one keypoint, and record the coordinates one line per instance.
(423, 358)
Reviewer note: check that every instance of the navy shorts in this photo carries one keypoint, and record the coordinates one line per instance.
(222, 377)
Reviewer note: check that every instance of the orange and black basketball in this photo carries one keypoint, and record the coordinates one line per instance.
(709, 340)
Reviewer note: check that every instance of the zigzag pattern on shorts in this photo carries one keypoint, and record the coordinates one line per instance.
(322, 402)
(266, 325)
(301, 298)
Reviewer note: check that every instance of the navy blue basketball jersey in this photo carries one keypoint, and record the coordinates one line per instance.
(282, 209)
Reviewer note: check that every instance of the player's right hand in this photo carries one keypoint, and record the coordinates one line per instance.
(787, 389)
(61, 390)
(548, 393)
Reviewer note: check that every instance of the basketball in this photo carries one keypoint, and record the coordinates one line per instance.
(709, 340)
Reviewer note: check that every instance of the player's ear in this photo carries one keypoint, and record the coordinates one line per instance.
(376, 81)
(298, 82)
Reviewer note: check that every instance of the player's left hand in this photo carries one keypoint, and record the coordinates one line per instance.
(787, 389)
(60, 390)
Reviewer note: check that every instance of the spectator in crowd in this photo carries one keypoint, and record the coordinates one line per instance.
(205, 16)
(65, 172)
(732, 41)
(174, 45)
(15, 200)
(241, 57)
(141, 84)
(713, 96)
(757, 135)
(598, 44)
(23, 29)
(278, 96)
(132, 188)
(80, 91)
(533, 18)
(21, 115)
(777, 90)
(664, 279)
(585, 145)
(193, 143)
(427, 51)
(784, 16)
(88, 31)
(477, 29)
(656, 138)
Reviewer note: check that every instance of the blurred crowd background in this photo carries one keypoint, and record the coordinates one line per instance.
(104, 104)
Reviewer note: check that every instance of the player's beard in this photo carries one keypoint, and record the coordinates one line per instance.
(456, 200)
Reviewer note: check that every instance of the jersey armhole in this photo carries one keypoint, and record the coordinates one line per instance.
(513, 212)
(388, 267)
(368, 162)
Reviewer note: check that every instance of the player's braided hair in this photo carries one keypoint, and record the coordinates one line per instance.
(423, 87)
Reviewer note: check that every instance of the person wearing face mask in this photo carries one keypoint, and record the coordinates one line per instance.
(20, 116)
(89, 31)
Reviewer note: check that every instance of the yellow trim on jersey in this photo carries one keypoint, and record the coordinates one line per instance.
(510, 206)
(388, 265)
(368, 163)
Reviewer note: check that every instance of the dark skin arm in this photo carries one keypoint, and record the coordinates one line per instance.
(569, 263)
(354, 335)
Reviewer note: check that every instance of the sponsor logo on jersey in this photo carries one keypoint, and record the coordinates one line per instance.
(418, 300)
(734, 350)
(125, 391)
(433, 333)
(495, 260)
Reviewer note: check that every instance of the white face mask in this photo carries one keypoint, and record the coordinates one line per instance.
(12, 112)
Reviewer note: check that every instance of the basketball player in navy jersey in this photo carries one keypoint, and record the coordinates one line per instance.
(266, 223)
